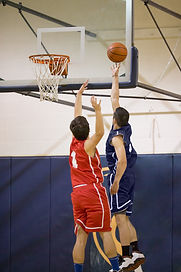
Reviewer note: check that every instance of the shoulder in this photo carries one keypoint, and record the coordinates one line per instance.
(125, 131)
(117, 140)
(116, 132)
(77, 143)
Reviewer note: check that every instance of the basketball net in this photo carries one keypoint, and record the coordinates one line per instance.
(49, 69)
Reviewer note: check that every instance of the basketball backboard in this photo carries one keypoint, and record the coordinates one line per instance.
(94, 26)
(87, 29)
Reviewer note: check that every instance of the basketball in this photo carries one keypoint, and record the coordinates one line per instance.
(117, 52)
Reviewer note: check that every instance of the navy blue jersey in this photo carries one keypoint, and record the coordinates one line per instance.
(131, 154)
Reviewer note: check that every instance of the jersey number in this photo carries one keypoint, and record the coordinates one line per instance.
(74, 162)
(130, 148)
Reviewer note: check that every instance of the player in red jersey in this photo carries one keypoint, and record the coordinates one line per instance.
(89, 198)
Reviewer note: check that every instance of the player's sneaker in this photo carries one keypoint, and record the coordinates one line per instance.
(127, 264)
(138, 258)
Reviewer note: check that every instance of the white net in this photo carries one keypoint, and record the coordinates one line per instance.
(49, 69)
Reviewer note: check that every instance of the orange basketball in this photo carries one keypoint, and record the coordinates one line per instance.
(117, 52)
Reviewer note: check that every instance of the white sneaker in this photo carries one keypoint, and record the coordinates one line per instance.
(127, 265)
(138, 258)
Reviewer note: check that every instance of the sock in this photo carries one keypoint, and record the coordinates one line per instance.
(115, 263)
(120, 259)
(125, 250)
(134, 246)
(78, 267)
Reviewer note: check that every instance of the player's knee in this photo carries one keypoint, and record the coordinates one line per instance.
(121, 219)
(81, 236)
(110, 252)
(105, 235)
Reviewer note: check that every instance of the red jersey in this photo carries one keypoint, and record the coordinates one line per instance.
(84, 169)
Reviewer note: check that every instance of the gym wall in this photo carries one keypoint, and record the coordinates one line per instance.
(36, 220)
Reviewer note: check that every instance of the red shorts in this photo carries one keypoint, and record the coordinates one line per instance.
(91, 208)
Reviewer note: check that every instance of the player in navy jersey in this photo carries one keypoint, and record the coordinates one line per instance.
(121, 156)
(89, 198)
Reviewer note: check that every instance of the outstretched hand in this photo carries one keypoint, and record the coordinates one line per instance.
(83, 87)
(95, 105)
(115, 69)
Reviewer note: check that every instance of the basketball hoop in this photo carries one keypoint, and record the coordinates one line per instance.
(49, 68)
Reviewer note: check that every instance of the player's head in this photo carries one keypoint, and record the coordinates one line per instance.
(121, 116)
(80, 128)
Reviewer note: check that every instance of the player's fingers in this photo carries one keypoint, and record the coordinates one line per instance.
(86, 83)
(92, 100)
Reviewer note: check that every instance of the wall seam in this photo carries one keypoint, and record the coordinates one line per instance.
(172, 213)
(10, 219)
(50, 221)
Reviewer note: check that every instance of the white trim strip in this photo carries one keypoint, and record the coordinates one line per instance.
(111, 207)
(75, 229)
(111, 200)
(107, 201)
(80, 185)
(99, 165)
(97, 180)
(121, 205)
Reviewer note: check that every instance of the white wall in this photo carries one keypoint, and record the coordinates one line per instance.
(30, 127)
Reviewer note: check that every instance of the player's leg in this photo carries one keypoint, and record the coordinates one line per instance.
(125, 239)
(108, 244)
(110, 249)
(79, 249)
(137, 256)
(133, 234)
(124, 231)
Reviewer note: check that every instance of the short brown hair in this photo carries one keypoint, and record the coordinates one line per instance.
(121, 116)
(80, 128)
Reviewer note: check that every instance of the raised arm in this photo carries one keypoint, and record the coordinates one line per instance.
(90, 143)
(78, 101)
(115, 87)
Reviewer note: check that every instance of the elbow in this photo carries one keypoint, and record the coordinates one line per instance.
(115, 103)
(113, 100)
(100, 133)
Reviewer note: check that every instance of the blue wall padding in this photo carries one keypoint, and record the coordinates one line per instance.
(153, 210)
(5, 207)
(36, 219)
(30, 214)
(176, 231)
(62, 224)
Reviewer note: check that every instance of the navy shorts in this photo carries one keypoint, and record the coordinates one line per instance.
(123, 200)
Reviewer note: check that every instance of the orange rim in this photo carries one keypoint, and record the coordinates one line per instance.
(56, 58)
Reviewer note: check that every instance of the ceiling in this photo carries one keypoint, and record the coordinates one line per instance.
(143, 19)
